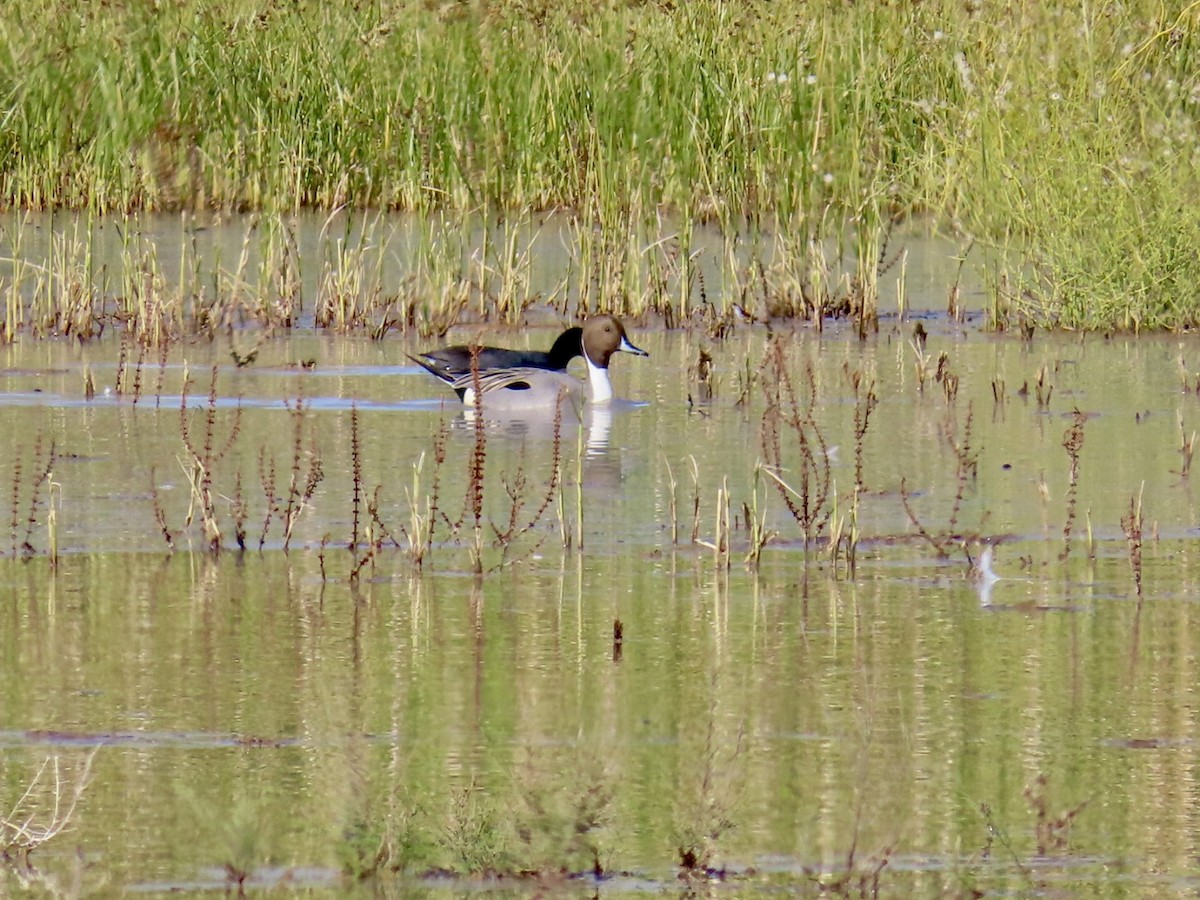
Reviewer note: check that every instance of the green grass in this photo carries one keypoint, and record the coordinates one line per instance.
(1066, 132)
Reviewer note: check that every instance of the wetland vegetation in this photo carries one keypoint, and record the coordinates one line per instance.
(883, 583)
(1059, 137)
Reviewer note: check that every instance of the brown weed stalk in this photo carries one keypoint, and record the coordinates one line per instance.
(1051, 832)
(122, 360)
(304, 475)
(1072, 443)
(162, 373)
(516, 488)
(865, 401)
(238, 511)
(356, 469)
(936, 541)
(966, 469)
(1044, 389)
(138, 367)
(14, 525)
(1131, 525)
(966, 460)
(999, 393)
(857, 877)
(43, 472)
(787, 413)
(204, 456)
(379, 533)
(376, 534)
(42, 463)
(266, 478)
(160, 515)
(476, 466)
(946, 377)
(701, 374)
(303, 480)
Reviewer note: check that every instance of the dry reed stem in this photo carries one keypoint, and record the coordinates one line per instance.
(921, 363)
(27, 827)
(1044, 389)
(719, 545)
(844, 536)
(1187, 447)
(672, 504)
(946, 377)
(756, 522)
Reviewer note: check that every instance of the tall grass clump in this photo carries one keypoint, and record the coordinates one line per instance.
(1065, 135)
(1079, 136)
(708, 107)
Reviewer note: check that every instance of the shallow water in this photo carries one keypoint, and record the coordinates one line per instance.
(247, 709)
(365, 265)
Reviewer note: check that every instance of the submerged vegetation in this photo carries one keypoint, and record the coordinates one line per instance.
(474, 497)
(1061, 138)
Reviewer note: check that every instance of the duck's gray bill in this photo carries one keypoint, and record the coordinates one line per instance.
(629, 348)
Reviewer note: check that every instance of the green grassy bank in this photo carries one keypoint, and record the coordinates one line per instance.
(1067, 132)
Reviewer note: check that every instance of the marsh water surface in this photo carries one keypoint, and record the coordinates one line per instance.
(281, 713)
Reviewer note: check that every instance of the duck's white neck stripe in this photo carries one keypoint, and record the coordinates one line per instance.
(602, 391)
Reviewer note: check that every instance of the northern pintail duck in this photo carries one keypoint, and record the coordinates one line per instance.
(520, 379)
